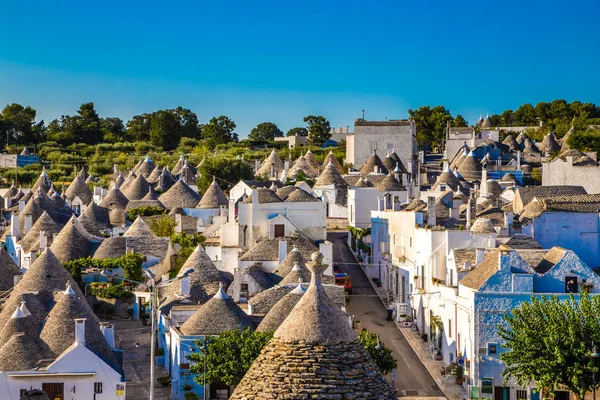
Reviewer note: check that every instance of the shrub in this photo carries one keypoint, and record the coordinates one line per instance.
(111, 292)
(144, 211)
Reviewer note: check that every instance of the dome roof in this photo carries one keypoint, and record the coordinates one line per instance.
(180, 195)
(217, 315)
(511, 143)
(470, 167)
(483, 226)
(549, 144)
(315, 326)
(369, 166)
(390, 184)
(281, 310)
(79, 188)
(487, 122)
(265, 167)
(334, 161)
(213, 198)
(137, 189)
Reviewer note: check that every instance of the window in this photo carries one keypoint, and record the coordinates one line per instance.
(571, 284)
(97, 387)
(492, 348)
(521, 394)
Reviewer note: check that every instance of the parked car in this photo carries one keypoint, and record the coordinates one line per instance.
(342, 279)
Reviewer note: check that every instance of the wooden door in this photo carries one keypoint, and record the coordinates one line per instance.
(279, 230)
(55, 391)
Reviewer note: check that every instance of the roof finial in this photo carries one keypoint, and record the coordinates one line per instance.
(24, 309)
(69, 290)
(221, 293)
(299, 289)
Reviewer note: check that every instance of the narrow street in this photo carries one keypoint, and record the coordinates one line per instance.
(412, 379)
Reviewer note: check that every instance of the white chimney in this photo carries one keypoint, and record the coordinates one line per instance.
(478, 256)
(469, 216)
(431, 217)
(286, 168)
(254, 196)
(17, 278)
(80, 331)
(376, 169)
(21, 205)
(179, 225)
(484, 186)
(108, 331)
(115, 168)
(28, 223)
(518, 159)
(15, 226)
(237, 287)
(43, 240)
(231, 212)
(282, 250)
(508, 223)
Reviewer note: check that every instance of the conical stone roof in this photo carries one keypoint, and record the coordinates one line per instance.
(178, 165)
(153, 177)
(334, 161)
(389, 162)
(128, 180)
(165, 181)
(399, 162)
(180, 195)
(530, 147)
(43, 181)
(120, 180)
(74, 241)
(146, 167)
(79, 188)
(139, 228)
(390, 184)
(213, 198)
(137, 189)
(511, 143)
(487, 122)
(447, 178)
(11, 192)
(293, 257)
(564, 145)
(116, 202)
(8, 270)
(331, 176)
(470, 167)
(31, 240)
(265, 167)
(549, 144)
(281, 310)
(316, 336)
(298, 272)
(219, 314)
(98, 214)
(312, 160)
(369, 167)
(302, 163)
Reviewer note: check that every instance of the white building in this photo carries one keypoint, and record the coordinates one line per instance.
(398, 135)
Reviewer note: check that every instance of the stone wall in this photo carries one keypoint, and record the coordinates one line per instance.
(382, 136)
(563, 173)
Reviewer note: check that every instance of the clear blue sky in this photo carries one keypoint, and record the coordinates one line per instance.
(281, 60)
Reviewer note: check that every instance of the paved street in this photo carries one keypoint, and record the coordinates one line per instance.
(412, 378)
(137, 360)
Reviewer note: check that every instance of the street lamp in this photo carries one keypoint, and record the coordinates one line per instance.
(153, 308)
(204, 353)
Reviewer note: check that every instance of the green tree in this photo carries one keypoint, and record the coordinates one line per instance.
(525, 115)
(18, 126)
(138, 128)
(165, 131)
(188, 121)
(382, 355)
(265, 131)
(319, 129)
(588, 140)
(88, 127)
(228, 172)
(228, 356)
(298, 131)
(549, 342)
(459, 121)
(163, 226)
(113, 130)
(431, 123)
(219, 130)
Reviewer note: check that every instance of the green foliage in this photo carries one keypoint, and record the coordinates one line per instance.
(319, 129)
(228, 171)
(219, 130)
(85, 127)
(110, 292)
(298, 131)
(188, 243)
(588, 140)
(459, 121)
(165, 130)
(190, 396)
(549, 342)
(130, 262)
(228, 356)
(144, 211)
(265, 131)
(381, 354)
(18, 126)
(431, 123)
(163, 226)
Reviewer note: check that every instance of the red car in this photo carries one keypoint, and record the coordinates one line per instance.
(342, 279)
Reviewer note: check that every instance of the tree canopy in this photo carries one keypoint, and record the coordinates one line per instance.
(381, 354)
(432, 123)
(228, 356)
(298, 131)
(319, 129)
(227, 170)
(18, 125)
(550, 342)
(265, 131)
(219, 130)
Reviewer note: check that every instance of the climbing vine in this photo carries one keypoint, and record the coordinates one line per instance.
(131, 264)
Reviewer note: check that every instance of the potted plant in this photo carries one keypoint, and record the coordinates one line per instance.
(459, 373)
(186, 387)
(159, 357)
(357, 324)
(402, 317)
(144, 318)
